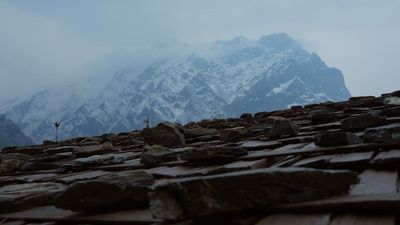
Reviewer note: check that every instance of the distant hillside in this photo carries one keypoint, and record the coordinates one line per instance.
(10, 134)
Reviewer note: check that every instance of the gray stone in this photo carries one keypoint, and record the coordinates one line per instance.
(114, 191)
(213, 152)
(233, 134)
(166, 134)
(392, 100)
(330, 139)
(361, 122)
(321, 116)
(157, 154)
(283, 127)
(89, 150)
(23, 196)
(10, 165)
(383, 134)
(236, 191)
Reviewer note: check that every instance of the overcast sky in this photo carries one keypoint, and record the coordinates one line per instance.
(47, 42)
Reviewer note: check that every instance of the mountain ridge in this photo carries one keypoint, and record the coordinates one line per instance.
(220, 79)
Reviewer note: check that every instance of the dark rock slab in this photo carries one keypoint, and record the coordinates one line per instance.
(166, 134)
(61, 149)
(113, 191)
(50, 213)
(191, 197)
(321, 116)
(292, 219)
(383, 134)
(283, 127)
(395, 111)
(369, 203)
(89, 150)
(24, 196)
(233, 134)
(363, 219)
(28, 150)
(330, 139)
(361, 122)
(213, 152)
(198, 131)
(157, 154)
(32, 166)
(10, 165)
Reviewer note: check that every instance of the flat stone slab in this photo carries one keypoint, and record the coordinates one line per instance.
(291, 219)
(191, 197)
(23, 196)
(112, 191)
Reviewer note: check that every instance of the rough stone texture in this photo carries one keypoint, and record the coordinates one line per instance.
(283, 127)
(115, 191)
(10, 165)
(361, 122)
(213, 152)
(157, 154)
(191, 197)
(391, 100)
(166, 134)
(321, 116)
(391, 111)
(233, 134)
(197, 131)
(384, 134)
(23, 196)
(330, 139)
(89, 150)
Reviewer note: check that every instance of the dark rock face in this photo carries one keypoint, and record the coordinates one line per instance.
(221, 152)
(233, 134)
(384, 134)
(23, 196)
(283, 127)
(89, 150)
(10, 165)
(114, 191)
(157, 154)
(321, 116)
(243, 190)
(330, 139)
(166, 134)
(362, 122)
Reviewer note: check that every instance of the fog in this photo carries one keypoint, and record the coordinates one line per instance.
(45, 43)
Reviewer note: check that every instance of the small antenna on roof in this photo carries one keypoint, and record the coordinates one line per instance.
(147, 121)
(57, 125)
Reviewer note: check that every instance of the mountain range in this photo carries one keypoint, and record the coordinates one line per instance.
(11, 135)
(183, 82)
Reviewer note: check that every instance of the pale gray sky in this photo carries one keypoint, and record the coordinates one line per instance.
(46, 42)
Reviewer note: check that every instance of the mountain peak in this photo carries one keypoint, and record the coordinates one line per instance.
(280, 41)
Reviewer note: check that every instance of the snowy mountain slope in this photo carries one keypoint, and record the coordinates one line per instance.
(219, 79)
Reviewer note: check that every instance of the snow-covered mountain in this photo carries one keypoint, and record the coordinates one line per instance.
(11, 135)
(181, 83)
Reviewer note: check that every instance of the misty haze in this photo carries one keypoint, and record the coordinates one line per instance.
(264, 112)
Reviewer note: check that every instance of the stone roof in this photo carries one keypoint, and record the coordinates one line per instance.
(330, 164)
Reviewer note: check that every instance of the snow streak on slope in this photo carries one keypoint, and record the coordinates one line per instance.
(193, 82)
